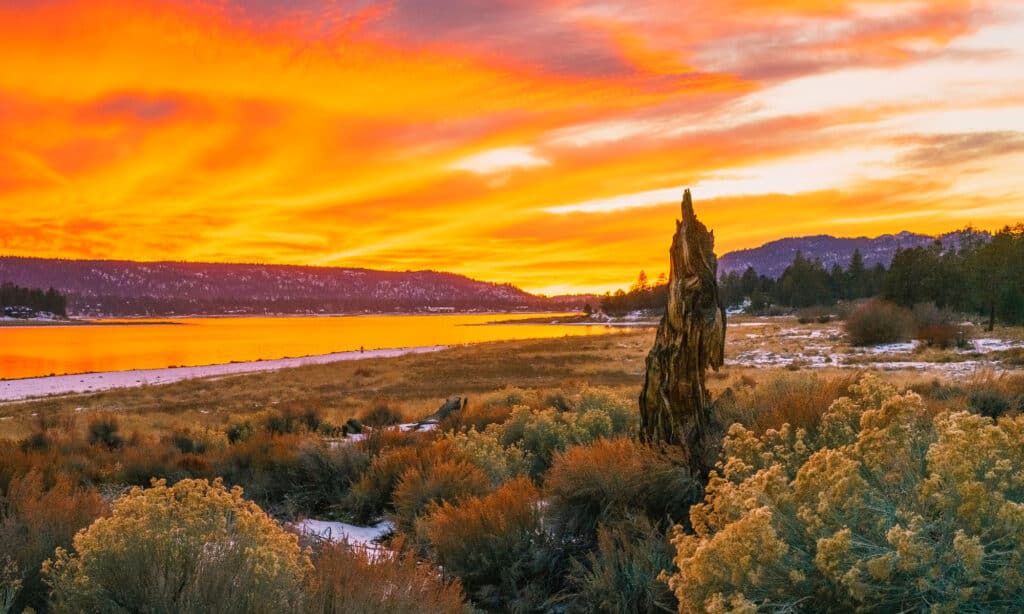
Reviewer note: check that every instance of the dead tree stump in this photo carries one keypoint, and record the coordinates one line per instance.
(675, 407)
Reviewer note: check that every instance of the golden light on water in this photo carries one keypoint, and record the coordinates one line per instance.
(39, 351)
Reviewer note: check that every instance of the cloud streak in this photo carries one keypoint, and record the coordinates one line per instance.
(541, 143)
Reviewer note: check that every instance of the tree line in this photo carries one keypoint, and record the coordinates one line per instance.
(16, 301)
(980, 277)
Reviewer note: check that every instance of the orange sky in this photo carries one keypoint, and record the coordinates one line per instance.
(541, 142)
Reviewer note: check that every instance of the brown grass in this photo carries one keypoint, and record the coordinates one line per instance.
(353, 579)
(417, 384)
(778, 398)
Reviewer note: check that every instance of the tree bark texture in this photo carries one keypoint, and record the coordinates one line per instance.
(675, 407)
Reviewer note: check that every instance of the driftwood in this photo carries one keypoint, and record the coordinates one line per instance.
(675, 407)
(450, 406)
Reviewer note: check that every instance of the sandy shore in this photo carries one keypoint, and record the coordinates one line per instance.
(18, 389)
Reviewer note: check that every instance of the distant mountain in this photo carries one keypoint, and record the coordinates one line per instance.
(772, 258)
(125, 288)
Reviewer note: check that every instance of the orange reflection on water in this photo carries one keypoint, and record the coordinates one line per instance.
(44, 350)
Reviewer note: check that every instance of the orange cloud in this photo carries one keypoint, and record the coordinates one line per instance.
(477, 138)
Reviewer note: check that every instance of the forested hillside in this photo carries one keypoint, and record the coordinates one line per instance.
(124, 288)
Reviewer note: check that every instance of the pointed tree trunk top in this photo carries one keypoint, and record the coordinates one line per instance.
(674, 404)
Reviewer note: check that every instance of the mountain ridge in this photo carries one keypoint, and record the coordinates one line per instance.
(772, 258)
(169, 288)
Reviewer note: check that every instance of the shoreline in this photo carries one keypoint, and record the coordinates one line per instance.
(32, 388)
(18, 323)
(579, 320)
(176, 320)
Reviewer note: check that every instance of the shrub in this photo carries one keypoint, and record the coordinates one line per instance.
(888, 508)
(610, 480)
(941, 336)
(352, 427)
(329, 429)
(936, 327)
(446, 480)
(323, 475)
(476, 417)
(876, 322)
(988, 402)
(622, 574)
(140, 464)
(193, 547)
(38, 441)
(289, 421)
(380, 440)
(34, 520)
(938, 390)
(499, 462)
(810, 315)
(265, 466)
(10, 584)
(199, 441)
(370, 496)
(487, 541)
(797, 399)
(382, 414)
(541, 434)
(104, 430)
(1013, 357)
(240, 431)
(392, 452)
(353, 579)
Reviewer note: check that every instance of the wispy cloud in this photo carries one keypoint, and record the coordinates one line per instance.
(520, 141)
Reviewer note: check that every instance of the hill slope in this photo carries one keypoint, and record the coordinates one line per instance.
(772, 258)
(125, 288)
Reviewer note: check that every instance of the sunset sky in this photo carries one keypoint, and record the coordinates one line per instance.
(541, 142)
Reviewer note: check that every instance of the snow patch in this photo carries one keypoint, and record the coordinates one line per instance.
(995, 345)
(343, 532)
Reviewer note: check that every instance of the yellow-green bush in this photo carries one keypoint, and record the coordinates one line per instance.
(193, 547)
(499, 462)
(887, 509)
(541, 434)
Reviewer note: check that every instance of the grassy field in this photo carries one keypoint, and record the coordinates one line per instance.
(543, 473)
(417, 384)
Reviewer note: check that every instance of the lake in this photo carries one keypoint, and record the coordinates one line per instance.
(33, 351)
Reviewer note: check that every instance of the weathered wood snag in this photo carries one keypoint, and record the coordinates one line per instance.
(675, 407)
(450, 406)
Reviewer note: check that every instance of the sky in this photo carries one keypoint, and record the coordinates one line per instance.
(544, 143)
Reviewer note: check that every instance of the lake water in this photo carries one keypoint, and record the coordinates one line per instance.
(43, 350)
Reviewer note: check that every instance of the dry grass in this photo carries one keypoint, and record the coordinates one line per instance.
(417, 384)
(768, 402)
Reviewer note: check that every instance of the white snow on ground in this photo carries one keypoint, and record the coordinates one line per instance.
(891, 348)
(429, 425)
(340, 531)
(17, 389)
(895, 355)
(995, 345)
